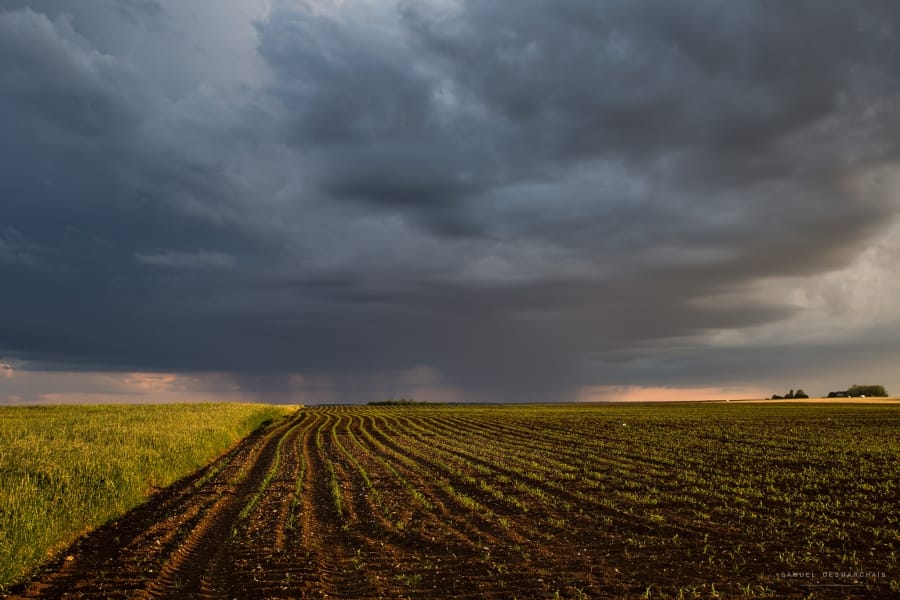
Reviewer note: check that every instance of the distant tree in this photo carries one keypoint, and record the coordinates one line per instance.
(790, 395)
(404, 402)
(876, 391)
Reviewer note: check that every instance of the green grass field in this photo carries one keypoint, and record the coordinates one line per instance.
(67, 469)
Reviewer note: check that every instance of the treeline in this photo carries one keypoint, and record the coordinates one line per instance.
(790, 395)
(400, 402)
(854, 391)
(861, 391)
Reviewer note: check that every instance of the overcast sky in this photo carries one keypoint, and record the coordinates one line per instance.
(529, 200)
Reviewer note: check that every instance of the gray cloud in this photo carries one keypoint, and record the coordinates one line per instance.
(644, 78)
(187, 260)
(53, 71)
(523, 199)
(138, 9)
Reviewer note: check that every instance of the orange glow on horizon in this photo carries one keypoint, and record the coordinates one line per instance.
(662, 394)
(152, 382)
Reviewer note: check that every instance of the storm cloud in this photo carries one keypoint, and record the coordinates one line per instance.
(457, 199)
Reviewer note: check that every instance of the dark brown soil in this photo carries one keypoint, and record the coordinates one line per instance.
(333, 504)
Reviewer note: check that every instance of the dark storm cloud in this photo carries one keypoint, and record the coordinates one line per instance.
(95, 200)
(645, 78)
(526, 197)
(52, 73)
(721, 110)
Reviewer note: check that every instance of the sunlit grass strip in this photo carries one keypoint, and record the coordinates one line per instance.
(67, 469)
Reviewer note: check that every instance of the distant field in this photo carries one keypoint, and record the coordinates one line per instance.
(871, 400)
(66, 469)
(702, 500)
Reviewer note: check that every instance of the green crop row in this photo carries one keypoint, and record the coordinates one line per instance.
(734, 494)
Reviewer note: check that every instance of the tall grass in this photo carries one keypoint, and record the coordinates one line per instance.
(67, 469)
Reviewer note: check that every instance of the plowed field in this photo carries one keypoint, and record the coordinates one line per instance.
(507, 502)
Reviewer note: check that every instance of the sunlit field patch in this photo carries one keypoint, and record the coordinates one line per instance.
(66, 469)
